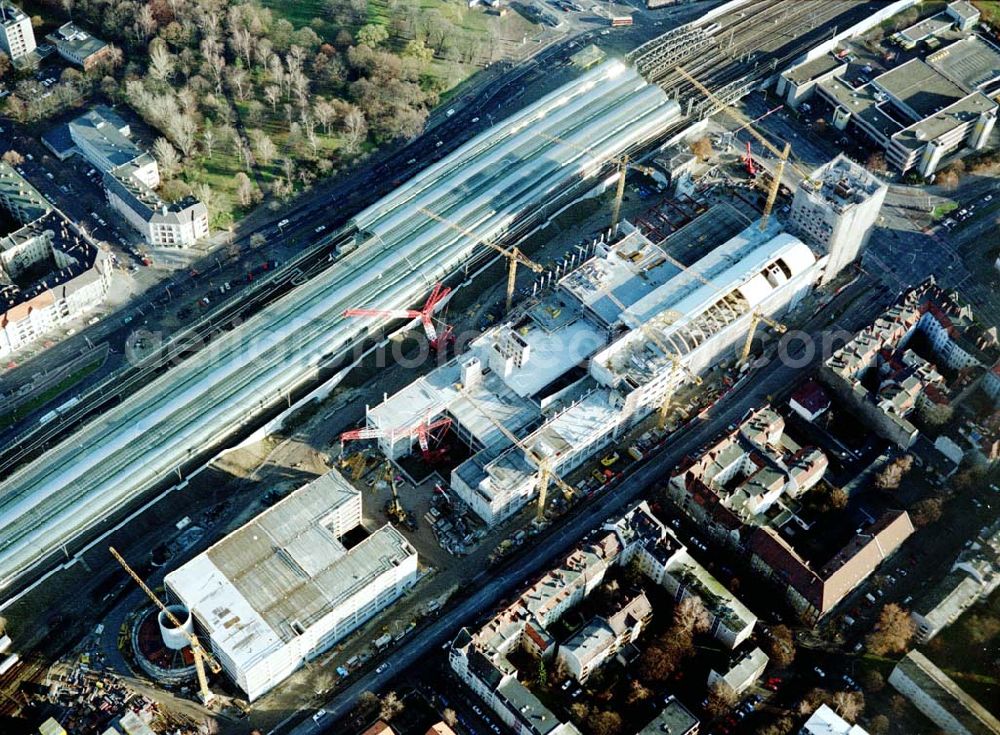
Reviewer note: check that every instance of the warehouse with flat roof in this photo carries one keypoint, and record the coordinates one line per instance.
(284, 588)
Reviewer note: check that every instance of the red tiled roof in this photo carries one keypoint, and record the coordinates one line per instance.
(379, 728)
(776, 553)
(811, 397)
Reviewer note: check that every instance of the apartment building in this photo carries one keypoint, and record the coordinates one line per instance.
(17, 37)
(51, 272)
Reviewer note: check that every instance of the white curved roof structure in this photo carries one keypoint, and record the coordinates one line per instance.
(686, 312)
(513, 171)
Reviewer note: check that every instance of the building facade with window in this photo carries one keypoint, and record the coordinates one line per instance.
(17, 37)
(284, 588)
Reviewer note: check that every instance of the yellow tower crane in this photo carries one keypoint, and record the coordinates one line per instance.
(647, 330)
(623, 165)
(755, 319)
(201, 656)
(514, 255)
(783, 154)
(678, 366)
(546, 474)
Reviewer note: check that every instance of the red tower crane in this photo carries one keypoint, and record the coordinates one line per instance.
(748, 162)
(425, 430)
(426, 316)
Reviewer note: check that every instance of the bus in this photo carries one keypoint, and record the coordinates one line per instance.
(621, 20)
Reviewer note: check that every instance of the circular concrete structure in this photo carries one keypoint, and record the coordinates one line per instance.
(163, 663)
(175, 638)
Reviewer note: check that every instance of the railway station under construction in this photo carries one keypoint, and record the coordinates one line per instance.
(498, 185)
(594, 353)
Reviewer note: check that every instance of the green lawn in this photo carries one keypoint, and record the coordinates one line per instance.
(299, 13)
(990, 10)
(942, 209)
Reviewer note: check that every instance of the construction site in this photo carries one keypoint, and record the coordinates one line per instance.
(605, 346)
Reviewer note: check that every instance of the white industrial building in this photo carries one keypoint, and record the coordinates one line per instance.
(915, 113)
(550, 376)
(702, 313)
(836, 209)
(283, 588)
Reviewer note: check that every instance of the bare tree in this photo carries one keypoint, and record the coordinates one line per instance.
(13, 158)
(691, 616)
(272, 93)
(637, 693)
(604, 723)
(325, 114)
(255, 112)
(243, 42)
(355, 129)
(781, 646)
(893, 631)
(721, 699)
(206, 195)
(208, 139)
(246, 192)
(239, 81)
(849, 705)
(391, 706)
(167, 158)
(781, 726)
(263, 146)
(926, 512)
(145, 22)
(872, 680)
(182, 130)
(161, 61)
(890, 476)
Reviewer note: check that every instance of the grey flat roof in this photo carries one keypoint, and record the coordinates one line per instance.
(927, 27)
(963, 9)
(286, 565)
(861, 101)
(970, 62)
(937, 125)
(812, 69)
(946, 693)
(105, 135)
(674, 719)
(75, 39)
(59, 141)
(529, 708)
(921, 88)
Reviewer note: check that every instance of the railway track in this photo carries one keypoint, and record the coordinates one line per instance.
(736, 52)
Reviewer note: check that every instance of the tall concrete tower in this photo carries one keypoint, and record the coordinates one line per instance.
(17, 38)
(835, 209)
